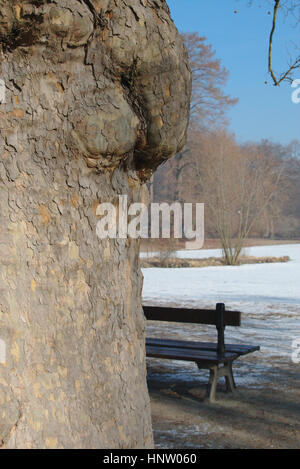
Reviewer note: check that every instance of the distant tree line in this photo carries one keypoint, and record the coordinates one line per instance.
(215, 163)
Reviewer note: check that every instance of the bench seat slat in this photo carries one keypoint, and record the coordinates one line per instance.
(177, 353)
(232, 348)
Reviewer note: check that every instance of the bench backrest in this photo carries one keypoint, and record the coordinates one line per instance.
(194, 316)
(218, 317)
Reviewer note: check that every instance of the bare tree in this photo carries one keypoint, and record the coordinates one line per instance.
(238, 184)
(209, 103)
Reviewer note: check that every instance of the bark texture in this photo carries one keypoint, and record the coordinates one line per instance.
(97, 96)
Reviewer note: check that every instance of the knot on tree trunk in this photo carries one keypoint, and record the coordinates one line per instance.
(123, 73)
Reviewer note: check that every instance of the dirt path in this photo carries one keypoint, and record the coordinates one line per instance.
(263, 417)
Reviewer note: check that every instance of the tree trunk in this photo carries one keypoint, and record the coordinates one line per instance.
(96, 96)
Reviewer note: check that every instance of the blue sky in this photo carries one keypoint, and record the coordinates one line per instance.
(241, 42)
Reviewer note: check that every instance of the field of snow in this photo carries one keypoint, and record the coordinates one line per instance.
(254, 286)
(267, 294)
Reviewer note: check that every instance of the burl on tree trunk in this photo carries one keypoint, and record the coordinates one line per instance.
(96, 97)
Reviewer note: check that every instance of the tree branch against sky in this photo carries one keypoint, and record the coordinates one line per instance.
(284, 8)
(291, 7)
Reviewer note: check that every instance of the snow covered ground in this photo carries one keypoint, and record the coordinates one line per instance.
(253, 286)
(267, 294)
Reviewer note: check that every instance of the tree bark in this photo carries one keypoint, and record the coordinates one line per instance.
(96, 97)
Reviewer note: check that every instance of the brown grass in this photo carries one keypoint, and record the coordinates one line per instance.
(174, 262)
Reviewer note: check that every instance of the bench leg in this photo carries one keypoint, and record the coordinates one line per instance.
(212, 384)
(231, 377)
(229, 381)
(215, 374)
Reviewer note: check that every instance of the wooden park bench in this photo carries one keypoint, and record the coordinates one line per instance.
(217, 357)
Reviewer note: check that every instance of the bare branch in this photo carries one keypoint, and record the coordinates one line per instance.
(296, 64)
